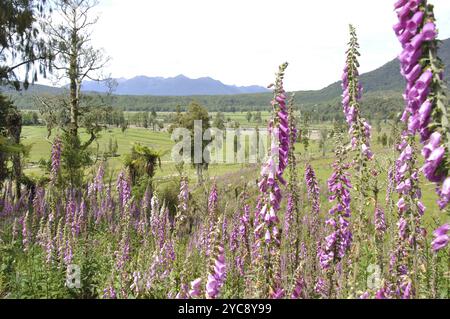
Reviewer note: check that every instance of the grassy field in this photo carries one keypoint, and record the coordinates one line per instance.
(36, 137)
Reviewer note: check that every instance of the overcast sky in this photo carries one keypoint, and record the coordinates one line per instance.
(242, 42)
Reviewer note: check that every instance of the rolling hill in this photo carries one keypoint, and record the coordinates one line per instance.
(384, 79)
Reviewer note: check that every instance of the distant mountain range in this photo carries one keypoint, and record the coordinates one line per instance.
(384, 81)
(176, 86)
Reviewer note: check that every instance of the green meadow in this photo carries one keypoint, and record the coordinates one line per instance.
(36, 137)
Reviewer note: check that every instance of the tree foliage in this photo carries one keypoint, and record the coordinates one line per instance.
(187, 120)
(22, 46)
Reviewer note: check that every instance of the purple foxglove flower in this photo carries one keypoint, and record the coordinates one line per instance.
(135, 286)
(424, 81)
(399, 27)
(288, 217)
(404, 187)
(298, 291)
(212, 200)
(400, 3)
(217, 278)
(414, 73)
(56, 159)
(406, 154)
(414, 124)
(195, 291)
(429, 31)
(421, 207)
(320, 287)
(432, 163)
(414, 56)
(401, 205)
(68, 252)
(109, 293)
(405, 36)
(380, 221)
(313, 188)
(415, 21)
(97, 186)
(183, 293)
(340, 238)
(278, 294)
(434, 143)
(425, 112)
(443, 201)
(267, 236)
(441, 237)
(381, 294)
(446, 187)
(404, 57)
(183, 197)
(123, 188)
(234, 236)
(407, 290)
(212, 287)
(404, 11)
(25, 233)
(365, 295)
(367, 152)
(402, 223)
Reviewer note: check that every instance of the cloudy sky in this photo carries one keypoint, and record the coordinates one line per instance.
(242, 42)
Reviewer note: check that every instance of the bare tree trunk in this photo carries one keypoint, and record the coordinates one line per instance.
(74, 87)
(17, 171)
(199, 168)
(2, 169)
(15, 130)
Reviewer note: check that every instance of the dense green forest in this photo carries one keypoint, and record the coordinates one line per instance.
(377, 105)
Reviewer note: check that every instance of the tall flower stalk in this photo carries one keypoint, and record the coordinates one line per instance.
(360, 134)
(425, 98)
(56, 160)
(338, 242)
(183, 204)
(359, 128)
(123, 188)
(409, 244)
(270, 184)
(293, 205)
(314, 234)
(211, 220)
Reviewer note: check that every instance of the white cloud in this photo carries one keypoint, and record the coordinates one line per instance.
(243, 42)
